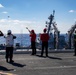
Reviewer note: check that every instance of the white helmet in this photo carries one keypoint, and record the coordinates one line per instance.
(9, 31)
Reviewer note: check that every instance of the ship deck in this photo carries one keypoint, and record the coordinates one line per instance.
(57, 63)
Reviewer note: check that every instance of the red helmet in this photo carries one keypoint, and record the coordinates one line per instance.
(45, 30)
(32, 31)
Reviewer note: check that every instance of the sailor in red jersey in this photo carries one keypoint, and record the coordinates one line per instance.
(33, 43)
(44, 38)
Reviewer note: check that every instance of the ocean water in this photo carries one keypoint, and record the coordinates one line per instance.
(22, 39)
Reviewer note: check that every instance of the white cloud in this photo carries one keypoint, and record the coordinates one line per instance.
(17, 21)
(63, 28)
(5, 12)
(71, 11)
(2, 20)
(1, 6)
(17, 25)
(20, 25)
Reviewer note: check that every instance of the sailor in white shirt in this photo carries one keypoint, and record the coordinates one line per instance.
(9, 45)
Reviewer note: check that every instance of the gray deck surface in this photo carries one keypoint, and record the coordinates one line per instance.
(58, 63)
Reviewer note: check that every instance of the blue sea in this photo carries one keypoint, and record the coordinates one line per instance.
(22, 39)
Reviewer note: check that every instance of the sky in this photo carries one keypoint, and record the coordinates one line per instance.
(16, 15)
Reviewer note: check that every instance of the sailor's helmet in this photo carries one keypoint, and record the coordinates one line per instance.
(45, 30)
(9, 31)
(32, 31)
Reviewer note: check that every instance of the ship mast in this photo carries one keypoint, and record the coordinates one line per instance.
(56, 31)
(51, 17)
(70, 32)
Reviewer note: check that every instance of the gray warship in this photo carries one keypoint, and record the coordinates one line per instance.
(57, 40)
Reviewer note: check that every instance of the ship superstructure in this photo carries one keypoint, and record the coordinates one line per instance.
(55, 37)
